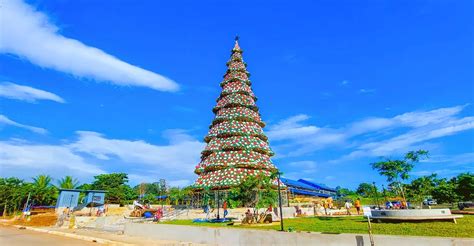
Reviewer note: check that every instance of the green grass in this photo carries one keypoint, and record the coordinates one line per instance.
(359, 225)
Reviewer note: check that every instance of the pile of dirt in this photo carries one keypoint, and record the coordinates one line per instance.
(44, 219)
(118, 211)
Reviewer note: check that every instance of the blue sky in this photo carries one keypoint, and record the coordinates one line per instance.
(88, 88)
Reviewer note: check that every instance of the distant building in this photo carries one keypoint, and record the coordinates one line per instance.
(305, 188)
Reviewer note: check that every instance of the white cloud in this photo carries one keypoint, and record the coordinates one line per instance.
(444, 172)
(366, 91)
(410, 119)
(299, 138)
(29, 34)
(181, 154)
(6, 121)
(406, 141)
(374, 136)
(143, 161)
(306, 169)
(24, 160)
(291, 128)
(26, 93)
(458, 159)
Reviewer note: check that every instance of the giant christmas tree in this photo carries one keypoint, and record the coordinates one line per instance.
(236, 145)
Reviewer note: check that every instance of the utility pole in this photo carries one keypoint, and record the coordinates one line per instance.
(280, 203)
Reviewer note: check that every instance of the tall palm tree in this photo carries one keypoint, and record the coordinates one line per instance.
(42, 181)
(68, 182)
(43, 191)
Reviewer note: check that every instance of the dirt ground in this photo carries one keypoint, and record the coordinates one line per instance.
(44, 219)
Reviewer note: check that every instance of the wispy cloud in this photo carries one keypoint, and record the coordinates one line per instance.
(6, 121)
(417, 135)
(145, 162)
(26, 93)
(345, 82)
(305, 170)
(182, 152)
(459, 159)
(444, 172)
(294, 137)
(29, 34)
(366, 91)
(374, 136)
(25, 159)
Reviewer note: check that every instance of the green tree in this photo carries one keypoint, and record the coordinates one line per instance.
(178, 195)
(68, 182)
(118, 191)
(465, 186)
(43, 192)
(422, 187)
(365, 189)
(344, 192)
(396, 171)
(445, 191)
(13, 194)
(255, 191)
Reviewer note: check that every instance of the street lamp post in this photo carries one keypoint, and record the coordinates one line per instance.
(280, 203)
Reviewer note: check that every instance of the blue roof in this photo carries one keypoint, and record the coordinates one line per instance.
(316, 185)
(295, 183)
(308, 193)
(305, 188)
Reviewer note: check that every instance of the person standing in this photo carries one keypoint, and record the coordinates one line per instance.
(325, 205)
(357, 205)
(224, 206)
(347, 205)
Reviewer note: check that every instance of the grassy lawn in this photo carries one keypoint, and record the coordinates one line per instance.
(359, 225)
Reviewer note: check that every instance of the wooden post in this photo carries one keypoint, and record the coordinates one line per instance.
(372, 243)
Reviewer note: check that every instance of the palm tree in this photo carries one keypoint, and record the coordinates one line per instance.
(43, 191)
(68, 182)
(42, 181)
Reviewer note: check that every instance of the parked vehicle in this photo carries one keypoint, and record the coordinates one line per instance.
(463, 205)
(430, 202)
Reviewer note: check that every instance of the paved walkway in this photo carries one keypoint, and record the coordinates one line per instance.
(51, 236)
(15, 236)
(120, 238)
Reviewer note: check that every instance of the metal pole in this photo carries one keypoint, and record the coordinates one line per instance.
(384, 193)
(279, 199)
(218, 217)
(92, 203)
(376, 195)
(27, 201)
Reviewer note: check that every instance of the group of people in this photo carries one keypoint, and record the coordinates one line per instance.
(328, 205)
(208, 211)
(348, 206)
(396, 205)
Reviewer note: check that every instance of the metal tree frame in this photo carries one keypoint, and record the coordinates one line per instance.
(196, 200)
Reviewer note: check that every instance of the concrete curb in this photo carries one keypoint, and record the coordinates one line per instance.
(75, 236)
